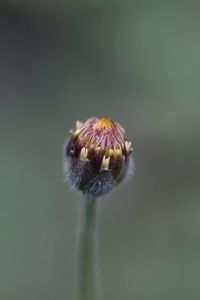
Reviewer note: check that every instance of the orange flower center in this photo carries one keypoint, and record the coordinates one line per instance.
(103, 123)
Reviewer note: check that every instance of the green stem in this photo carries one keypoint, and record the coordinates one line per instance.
(86, 250)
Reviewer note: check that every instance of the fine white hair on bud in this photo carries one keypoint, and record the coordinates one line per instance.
(97, 156)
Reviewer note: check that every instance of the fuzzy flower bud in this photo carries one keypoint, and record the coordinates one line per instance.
(97, 156)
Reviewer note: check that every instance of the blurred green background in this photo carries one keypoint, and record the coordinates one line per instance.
(137, 62)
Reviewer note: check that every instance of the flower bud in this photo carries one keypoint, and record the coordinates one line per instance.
(97, 156)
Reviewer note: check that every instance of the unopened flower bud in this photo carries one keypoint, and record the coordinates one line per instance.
(97, 156)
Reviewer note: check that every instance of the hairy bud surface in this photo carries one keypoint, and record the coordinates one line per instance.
(97, 156)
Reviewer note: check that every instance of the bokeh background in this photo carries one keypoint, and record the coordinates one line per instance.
(137, 62)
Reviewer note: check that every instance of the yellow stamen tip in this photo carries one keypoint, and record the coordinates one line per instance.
(117, 152)
(105, 163)
(77, 132)
(110, 152)
(98, 149)
(128, 146)
(84, 154)
(78, 124)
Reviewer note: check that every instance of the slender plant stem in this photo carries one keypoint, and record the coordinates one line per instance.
(87, 274)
